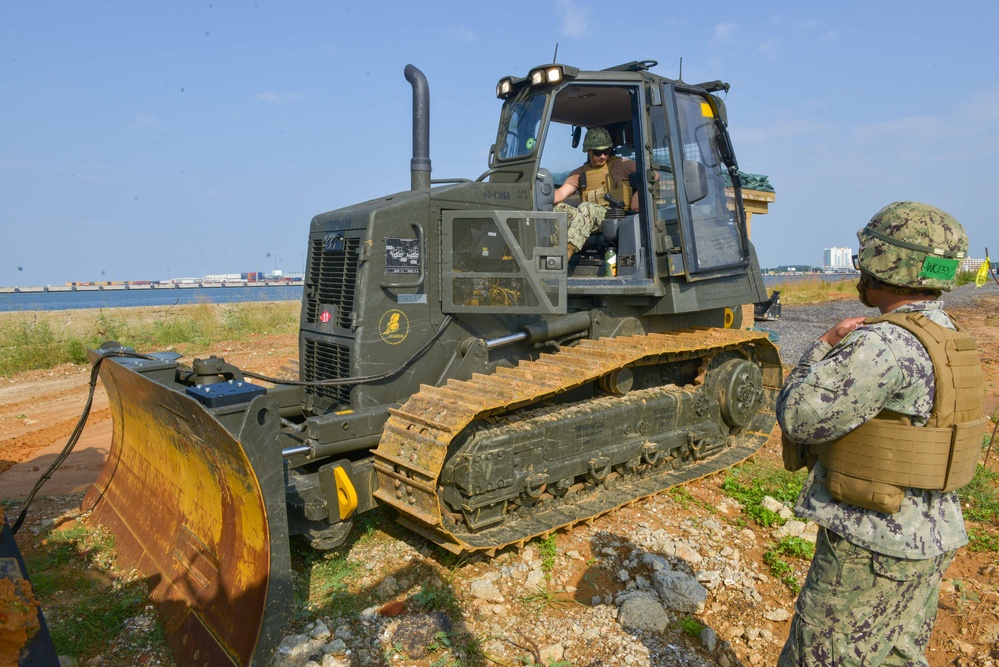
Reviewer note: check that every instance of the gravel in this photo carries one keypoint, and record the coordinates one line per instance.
(650, 568)
(799, 326)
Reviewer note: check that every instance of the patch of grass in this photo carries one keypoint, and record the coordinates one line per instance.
(681, 496)
(792, 547)
(751, 482)
(691, 626)
(29, 344)
(438, 598)
(965, 277)
(548, 550)
(545, 598)
(967, 597)
(44, 340)
(980, 498)
(816, 290)
(322, 581)
(982, 540)
(85, 612)
(459, 650)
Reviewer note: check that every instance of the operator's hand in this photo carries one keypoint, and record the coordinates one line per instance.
(841, 330)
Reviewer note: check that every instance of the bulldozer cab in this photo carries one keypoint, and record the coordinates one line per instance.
(686, 217)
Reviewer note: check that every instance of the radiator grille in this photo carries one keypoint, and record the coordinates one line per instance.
(332, 281)
(326, 361)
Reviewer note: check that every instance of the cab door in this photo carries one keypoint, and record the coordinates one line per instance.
(699, 207)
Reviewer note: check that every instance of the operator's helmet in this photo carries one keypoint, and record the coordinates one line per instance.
(913, 245)
(597, 138)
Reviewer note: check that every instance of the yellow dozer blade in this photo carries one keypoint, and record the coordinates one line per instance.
(199, 509)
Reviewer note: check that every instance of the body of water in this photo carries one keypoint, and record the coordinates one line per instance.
(25, 301)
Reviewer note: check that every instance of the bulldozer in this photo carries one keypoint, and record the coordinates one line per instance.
(457, 365)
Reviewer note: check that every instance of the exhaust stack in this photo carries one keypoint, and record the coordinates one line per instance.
(419, 166)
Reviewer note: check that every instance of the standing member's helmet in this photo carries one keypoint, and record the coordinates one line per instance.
(911, 245)
(597, 138)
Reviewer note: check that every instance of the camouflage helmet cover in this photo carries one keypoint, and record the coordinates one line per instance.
(597, 138)
(908, 244)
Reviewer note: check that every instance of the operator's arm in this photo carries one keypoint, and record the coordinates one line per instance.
(833, 390)
(569, 187)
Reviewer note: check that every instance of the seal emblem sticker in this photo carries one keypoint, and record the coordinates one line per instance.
(393, 327)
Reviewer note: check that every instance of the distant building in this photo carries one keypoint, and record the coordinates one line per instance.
(970, 264)
(837, 258)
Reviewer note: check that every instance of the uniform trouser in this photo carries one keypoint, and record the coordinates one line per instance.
(583, 220)
(858, 607)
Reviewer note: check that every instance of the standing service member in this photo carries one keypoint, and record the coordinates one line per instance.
(888, 414)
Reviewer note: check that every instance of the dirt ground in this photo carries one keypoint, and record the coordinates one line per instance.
(39, 410)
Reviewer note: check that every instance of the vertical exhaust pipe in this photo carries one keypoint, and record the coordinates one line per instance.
(419, 166)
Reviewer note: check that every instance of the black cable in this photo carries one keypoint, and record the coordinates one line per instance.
(77, 431)
(359, 380)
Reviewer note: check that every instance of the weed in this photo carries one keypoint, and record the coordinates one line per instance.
(750, 482)
(324, 584)
(967, 597)
(549, 552)
(815, 291)
(440, 642)
(980, 498)
(545, 598)
(691, 626)
(983, 540)
(681, 496)
(80, 628)
(42, 341)
(27, 344)
(793, 547)
(434, 598)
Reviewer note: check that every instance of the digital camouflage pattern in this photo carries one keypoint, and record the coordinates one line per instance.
(859, 607)
(597, 138)
(583, 220)
(871, 592)
(833, 391)
(915, 245)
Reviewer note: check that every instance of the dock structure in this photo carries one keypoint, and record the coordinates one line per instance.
(144, 285)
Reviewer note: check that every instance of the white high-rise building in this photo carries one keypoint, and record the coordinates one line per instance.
(837, 258)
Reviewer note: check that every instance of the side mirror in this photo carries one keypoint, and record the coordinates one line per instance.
(695, 181)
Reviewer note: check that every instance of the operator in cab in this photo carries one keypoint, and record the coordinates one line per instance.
(604, 173)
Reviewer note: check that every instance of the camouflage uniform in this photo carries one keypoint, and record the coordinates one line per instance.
(583, 220)
(871, 594)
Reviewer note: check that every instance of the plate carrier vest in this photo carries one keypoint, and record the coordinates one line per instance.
(595, 182)
(873, 465)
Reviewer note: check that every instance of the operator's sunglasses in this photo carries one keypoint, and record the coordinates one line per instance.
(602, 151)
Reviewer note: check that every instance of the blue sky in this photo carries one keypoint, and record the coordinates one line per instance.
(149, 140)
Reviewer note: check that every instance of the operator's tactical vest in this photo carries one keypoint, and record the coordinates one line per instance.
(873, 465)
(595, 182)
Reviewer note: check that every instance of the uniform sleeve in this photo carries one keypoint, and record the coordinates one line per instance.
(832, 391)
(622, 169)
(573, 177)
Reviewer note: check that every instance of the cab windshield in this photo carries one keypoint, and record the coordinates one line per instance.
(520, 124)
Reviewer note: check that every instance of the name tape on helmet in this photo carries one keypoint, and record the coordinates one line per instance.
(939, 268)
